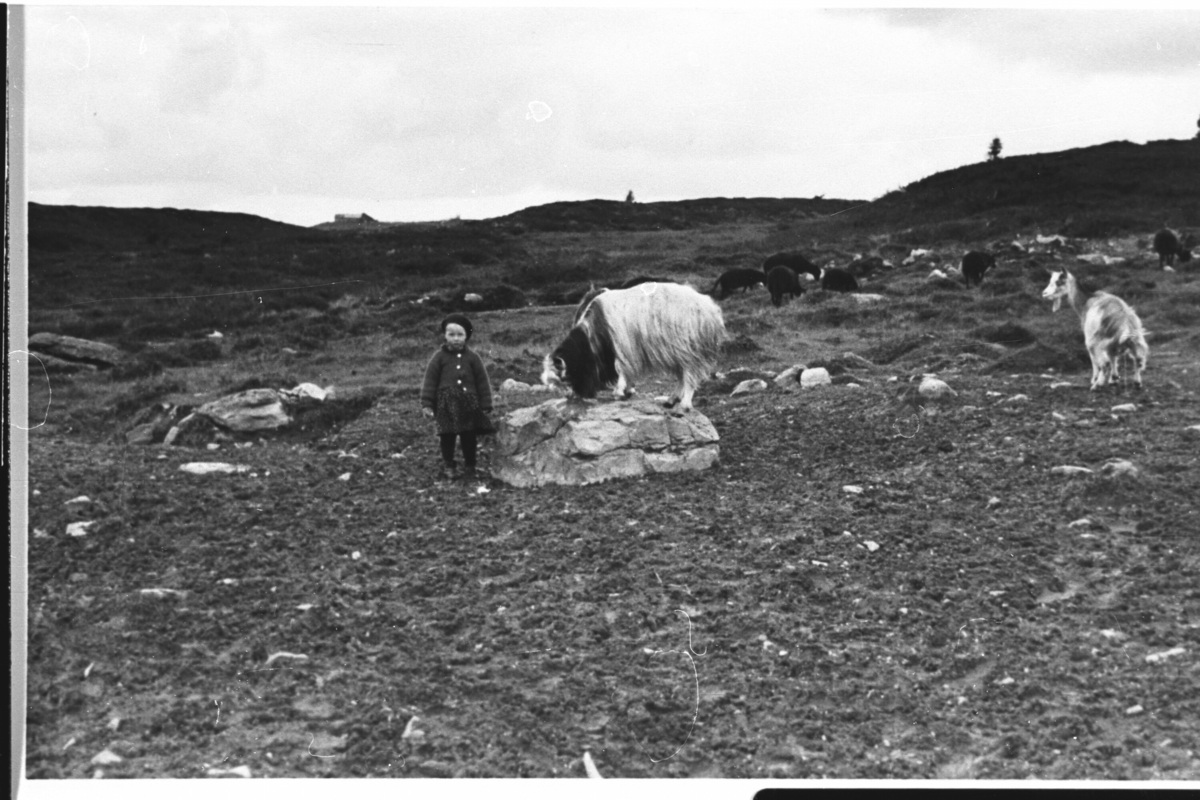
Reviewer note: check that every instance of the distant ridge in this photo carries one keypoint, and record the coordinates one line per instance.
(58, 228)
(1103, 190)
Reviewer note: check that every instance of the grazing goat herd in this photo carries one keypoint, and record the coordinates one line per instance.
(657, 326)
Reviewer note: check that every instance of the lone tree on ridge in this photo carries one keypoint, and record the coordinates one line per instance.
(994, 149)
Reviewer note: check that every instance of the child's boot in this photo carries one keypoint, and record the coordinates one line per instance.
(469, 473)
(449, 471)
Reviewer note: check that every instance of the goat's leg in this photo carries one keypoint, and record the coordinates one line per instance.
(1099, 368)
(622, 391)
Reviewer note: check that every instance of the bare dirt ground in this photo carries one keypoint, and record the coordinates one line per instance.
(336, 612)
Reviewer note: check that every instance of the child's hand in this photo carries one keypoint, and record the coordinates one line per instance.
(427, 411)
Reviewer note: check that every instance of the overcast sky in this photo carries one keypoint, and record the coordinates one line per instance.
(298, 113)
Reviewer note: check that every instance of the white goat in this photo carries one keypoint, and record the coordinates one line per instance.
(1110, 328)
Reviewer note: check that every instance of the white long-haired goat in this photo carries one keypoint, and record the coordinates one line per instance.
(1111, 328)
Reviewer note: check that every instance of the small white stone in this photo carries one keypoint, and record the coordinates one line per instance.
(79, 528)
(356, 555)
(1155, 658)
(83, 498)
(106, 757)
(1132, 710)
(1125, 408)
(1070, 470)
(345, 476)
(871, 546)
(814, 376)
(851, 489)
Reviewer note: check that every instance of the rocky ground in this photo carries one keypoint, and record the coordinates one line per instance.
(862, 588)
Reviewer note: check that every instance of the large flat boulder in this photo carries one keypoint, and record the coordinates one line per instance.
(72, 349)
(251, 410)
(568, 442)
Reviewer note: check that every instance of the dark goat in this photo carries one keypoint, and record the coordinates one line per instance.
(1167, 245)
(838, 280)
(974, 264)
(797, 262)
(736, 279)
(781, 280)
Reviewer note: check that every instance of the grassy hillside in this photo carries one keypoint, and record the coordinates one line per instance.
(134, 275)
(1090, 192)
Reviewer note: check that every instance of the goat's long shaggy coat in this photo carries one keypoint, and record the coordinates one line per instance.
(1111, 329)
(625, 334)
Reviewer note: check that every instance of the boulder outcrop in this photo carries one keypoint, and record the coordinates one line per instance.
(567, 442)
(71, 349)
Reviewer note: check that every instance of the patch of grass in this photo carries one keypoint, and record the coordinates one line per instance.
(1009, 334)
(143, 393)
(890, 350)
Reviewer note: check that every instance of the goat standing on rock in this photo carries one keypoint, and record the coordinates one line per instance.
(621, 335)
(1111, 328)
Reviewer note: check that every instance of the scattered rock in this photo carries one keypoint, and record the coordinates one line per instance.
(871, 546)
(1125, 408)
(1017, 398)
(61, 366)
(1070, 470)
(791, 376)
(813, 377)
(1119, 468)
(70, 349)
(305, 393)
(567, 442)
(1156, 658)
(852, 489)
(242, 771)
(472, 298)
(275, 656)
(1133, 711)
(83, 498)
(513, 385)
(937, 275)
(750, 386)
(79, 528)
(993, 502)
(932, 388)
(251, 410)
(106, 757)
(868, 298)
(211, 467)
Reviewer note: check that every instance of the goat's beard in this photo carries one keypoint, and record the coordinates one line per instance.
(1057, 304)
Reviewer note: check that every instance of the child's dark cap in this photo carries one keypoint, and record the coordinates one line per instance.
(457, 319)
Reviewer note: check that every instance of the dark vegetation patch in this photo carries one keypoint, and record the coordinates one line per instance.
(1009, 334)
(1040, 357)
(887, 351)
(741, 343)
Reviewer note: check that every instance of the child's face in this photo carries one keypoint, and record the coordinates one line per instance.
(456, 337)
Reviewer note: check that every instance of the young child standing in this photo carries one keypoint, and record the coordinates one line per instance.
(458, 395)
